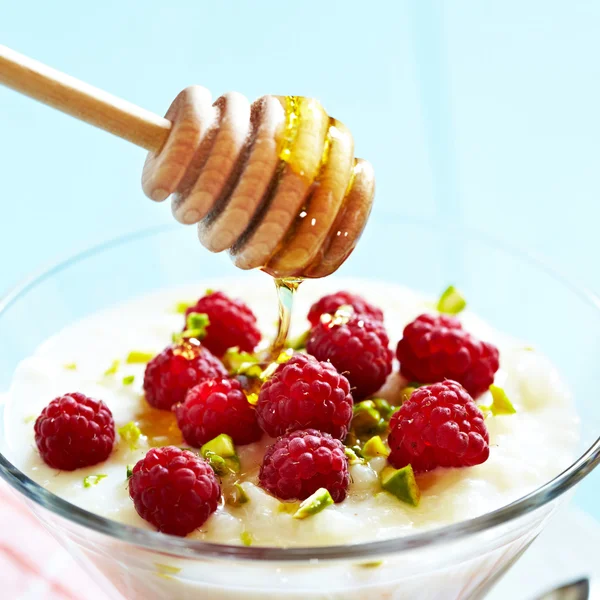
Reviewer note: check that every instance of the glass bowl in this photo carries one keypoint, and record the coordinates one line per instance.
(516, 293)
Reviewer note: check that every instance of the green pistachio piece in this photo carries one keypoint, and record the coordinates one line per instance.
(71, 366)
(371, 565)
(181, 307)
(246, 538)
(167, 569)
(130, 433)
(500, 405)
(129, 471)
(238, 496)
(402, 484)
(238, 362)
(289, 507)
(220, 453)
(91, 480)
(128, 380)
(195, 327)
(366, 419)
(353, 457)
(375, 447)
(114, 367)
(314, 504)
(383, 408)
(223, 466)
(137, 357)
(451, 301)
(221, 445)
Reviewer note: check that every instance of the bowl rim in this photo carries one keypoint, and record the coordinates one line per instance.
(187, 548)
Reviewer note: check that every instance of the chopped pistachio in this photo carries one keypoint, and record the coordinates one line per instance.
(451, 301)
(284, 356)
(181, 307)
(220, 453)
(228, 466)
(366, 419)
(529, 349)
(130, 433)
(246, 538)
(209, 291)
(384, 408)
(29, 419)
(298, 342)
(114, 367)
(371, 565)
(289, 507)
(137, 357)
(167, 568)
(221, 445)
(197, 320)
(238, 496)
(195, 327)
(314, 504)
(402, 484)
(91, 480)
(353, 457)
(500, 405)
(71, 366)
(252, 398)
(375, 447)
(237, 362)
(128, 380)
(129, 471)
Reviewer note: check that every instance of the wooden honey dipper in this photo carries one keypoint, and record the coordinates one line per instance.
(274, 182)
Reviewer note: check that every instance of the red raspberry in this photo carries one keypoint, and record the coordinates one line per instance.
(305, 393)
(434, 348)
(177, 369)
(217, 406)
(327, 305)
(438, 426)
(74, 431)
(358, 348)
(175, 490)
(300, 463)
(232, 323)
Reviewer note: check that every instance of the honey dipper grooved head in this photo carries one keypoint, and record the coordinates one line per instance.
(275, 183)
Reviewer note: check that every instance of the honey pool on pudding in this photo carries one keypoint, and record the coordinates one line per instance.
(529, 420)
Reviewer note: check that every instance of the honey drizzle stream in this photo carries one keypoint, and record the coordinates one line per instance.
(286, 289)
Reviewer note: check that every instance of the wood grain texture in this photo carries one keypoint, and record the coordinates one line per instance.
(82, 101)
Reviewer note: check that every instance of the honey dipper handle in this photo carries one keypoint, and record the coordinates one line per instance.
(82, 101)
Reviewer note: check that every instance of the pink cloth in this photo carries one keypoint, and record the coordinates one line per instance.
(33, 565)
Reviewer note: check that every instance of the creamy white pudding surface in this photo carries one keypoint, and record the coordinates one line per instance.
(526, 449)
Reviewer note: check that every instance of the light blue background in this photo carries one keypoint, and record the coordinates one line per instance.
(482, 113)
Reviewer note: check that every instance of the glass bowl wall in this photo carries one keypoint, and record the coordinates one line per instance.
(515, 293)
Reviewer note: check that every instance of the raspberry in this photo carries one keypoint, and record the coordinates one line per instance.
(327, 305)
(300, 463)
(305, 393)
(232, 323)
(177, 369)
(74, 431)
(358, 348)
(217, 406)
(175, 490)
(438, 426)
(434, 348)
